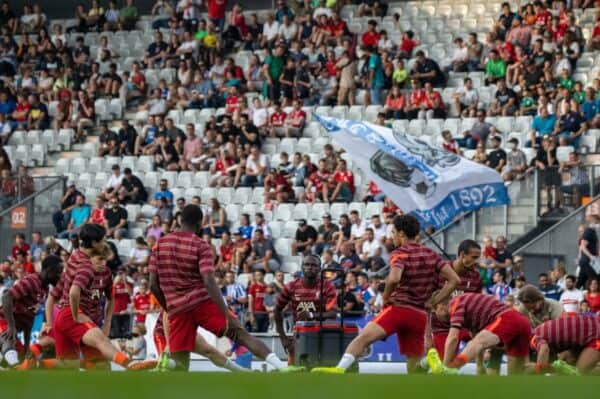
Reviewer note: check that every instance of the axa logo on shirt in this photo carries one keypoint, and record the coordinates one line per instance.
(306, 307)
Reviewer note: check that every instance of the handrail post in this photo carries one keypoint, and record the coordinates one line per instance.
(536, 196)
(506, 222)
(474, 226)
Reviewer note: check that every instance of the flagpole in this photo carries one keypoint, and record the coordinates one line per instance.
(437, 245)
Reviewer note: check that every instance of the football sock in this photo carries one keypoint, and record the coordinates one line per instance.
(48, 363)
(121, 359)
(275, 362)
(459, 361)
(12, 357)
(233, 366)
(346, 361)
(36, 350)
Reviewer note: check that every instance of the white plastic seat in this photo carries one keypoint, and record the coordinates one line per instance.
(151, 180)
(276, 229)
(371, 112)
(33, 137)
(65, 139)
(145, 164)
(17, 138)
(49, 138)
(86, 180)
(100, 179)
(242, 194)
(115, 107)
(339, 111)
(283, 246)
(89, 149)
(304, 145)
(250, 209)
(96, 165)
(101, 109)
(61, 167)
(338, 209)
(257, 195)
(318, 210)
(225, 195)
(233, 213)
(184, 179)
(132, 211)
(562, 153)
(124, 247)
(357, 206)
(208, 193)
(288, 145)
(283, 212)
(356, 112)
(289, 229)
(373, 208)
(191, 116)
(300, 212)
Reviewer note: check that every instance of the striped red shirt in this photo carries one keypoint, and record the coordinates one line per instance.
(469, 282)
(420, 272)
(301, 298)
(475, 312)
(93, 284)
(180, 260)
(28, 294)
(566, 333)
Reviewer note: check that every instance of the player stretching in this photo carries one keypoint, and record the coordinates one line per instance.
(470, 281)
(182, 280)
(161, 341)
(414, 273)
(491, 322)
(86, 280)
(580, 335)
(304, 296)
(19, 306)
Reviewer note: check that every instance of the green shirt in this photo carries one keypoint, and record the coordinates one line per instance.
(495, 69)
(275, 66)
(200, 35)
(579, 97)
(129, 12)
(399, 75)
(567, 83)
(527, 102)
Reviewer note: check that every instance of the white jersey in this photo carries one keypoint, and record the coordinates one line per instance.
(570, 300)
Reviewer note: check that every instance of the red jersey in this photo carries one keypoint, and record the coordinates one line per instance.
(543, 18)
(317, 179)
(216, 9)
(296, 114)
(594, 301)
(222, 167)
(80, 272)
(138, 79)
(98, 216)
(279, 180)
(141, 302)
(596, 31)
(420, 273)
(416, 97)
(431, 98)
(336, 28)
(226, 252)
(301, 298)
(258, 293)
(345, 177)
(407, 45)
(489, 252)
(567, 333)
(474, 312)
(374, 188)
(331, 69)
(23, 248)
(28, 294)
(22, 107)
(370, 39)
(181, 259)
(231, 104)
(278, 118)
(469, 282)
(451, 146)
(121, 295)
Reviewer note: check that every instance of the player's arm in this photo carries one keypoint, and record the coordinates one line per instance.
(74, 298)
(451, 344)
(7, 308)
(452, 281)
(543, 357)
(156, 290)
(108, 313)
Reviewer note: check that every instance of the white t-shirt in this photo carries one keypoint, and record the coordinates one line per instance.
(468, 97)
(115, 181)
(358, 230)
(288, 32)
(220, 70)
(139, 254)
(570, 300)
(370, 248)
(380, 232)
(460, 54)
(270, 31)
(254, 166)
(260, 117)
(157, 106)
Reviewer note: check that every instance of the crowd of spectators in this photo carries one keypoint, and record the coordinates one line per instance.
(302, 55)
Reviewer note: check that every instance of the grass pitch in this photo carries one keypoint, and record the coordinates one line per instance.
(117, 385)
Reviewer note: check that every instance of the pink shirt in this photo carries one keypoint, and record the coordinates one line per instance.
(192, 147)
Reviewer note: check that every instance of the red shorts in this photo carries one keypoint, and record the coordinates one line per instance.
(160, 342)
(408, 324)
(514, 331)
(68, 335)
(594, 344)
(439, 341)
(19, 347)
(183, 326)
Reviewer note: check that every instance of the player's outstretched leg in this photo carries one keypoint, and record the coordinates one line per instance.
(372, 332)
(95, 338)
(588, 359)
(484, 339)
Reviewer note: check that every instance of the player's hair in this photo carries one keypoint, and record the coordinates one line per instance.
(530, 294)
(467, 245)
(191, 215)
(51, 262)
(407, 224)
(102, 252)
(91, 233)
(314, 256)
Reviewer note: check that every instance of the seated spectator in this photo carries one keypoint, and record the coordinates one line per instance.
(132, 190)
(305, 238)
(542, 125)
(234, 294)
(591, 108)
(98, 215)
(342, 184)
(8, 189)
(324, 88)
(495, 69)
(427, 70)
(449, 143)
(433, 106)
(528, 104)
(500, 289)
(263, 255)
(128, 16)
(114, 182)
(369, 251)
(215, 220)
(165, 154)
(349, 260)
(38, 118)
(79, 215)
(496, 159)
(374, 193)
(594, 40)
(578, 184)
(395, 104)
(407, 44)
(478, 134)
(116, 220)
(466, 99)
(295, 120)
(570, 127)
(277, 120)
(256, 167)
(516, 162)
(109, 141)
(277, 188)
(459, 59)
(505, 102)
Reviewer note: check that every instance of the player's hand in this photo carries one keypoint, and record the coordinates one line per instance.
(45, 329)
(232, 326)
(304, 315)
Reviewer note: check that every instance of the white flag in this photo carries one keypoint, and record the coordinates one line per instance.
(428, 181)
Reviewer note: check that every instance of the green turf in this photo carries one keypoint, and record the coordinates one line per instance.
(92, 385)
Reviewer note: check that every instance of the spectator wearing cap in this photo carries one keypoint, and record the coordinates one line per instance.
(578, 184)
(277, 187)
(496, 159)
(263, 255)
(516, 162)
(114, 182)
(80, 215)
(132, 190)
(305, 238)
(68, 201)
(116, 220)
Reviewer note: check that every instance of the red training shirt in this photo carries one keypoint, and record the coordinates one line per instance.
(141, 302)
(567, 333)
(302, 298)
(28, 294)
(474, 312)
(258, 293)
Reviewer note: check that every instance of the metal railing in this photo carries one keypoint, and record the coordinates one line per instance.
(31, 213)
